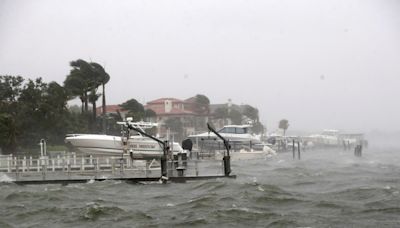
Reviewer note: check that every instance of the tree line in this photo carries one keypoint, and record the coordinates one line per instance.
(31, 109)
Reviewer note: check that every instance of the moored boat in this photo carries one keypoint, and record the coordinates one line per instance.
(136, 145)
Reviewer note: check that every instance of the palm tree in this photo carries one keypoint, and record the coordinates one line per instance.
(79, 81)
(75, 87)
(103, 78)
(85, 78)
(284, 125)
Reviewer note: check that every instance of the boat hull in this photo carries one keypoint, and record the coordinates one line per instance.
(105, 145)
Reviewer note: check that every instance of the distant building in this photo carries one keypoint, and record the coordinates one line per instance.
(187, 111)
(112, 109)
(190, 115)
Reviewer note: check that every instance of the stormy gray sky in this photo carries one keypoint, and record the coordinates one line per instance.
(320, 64)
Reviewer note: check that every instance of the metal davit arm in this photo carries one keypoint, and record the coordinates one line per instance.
(164, 173)
(226, 142)
(227, 158)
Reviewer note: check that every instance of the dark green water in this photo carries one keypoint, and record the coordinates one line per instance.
(324, 189)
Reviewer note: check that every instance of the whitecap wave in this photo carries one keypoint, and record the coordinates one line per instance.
(5, 179)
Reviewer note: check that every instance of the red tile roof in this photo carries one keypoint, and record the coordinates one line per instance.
(160, 111)
(191, 100)
(162, 100)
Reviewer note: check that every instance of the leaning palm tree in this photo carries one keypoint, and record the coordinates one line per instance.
(103, 79)
(75, 87)
(82, 78)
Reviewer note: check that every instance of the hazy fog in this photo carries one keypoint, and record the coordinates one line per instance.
(320, 64)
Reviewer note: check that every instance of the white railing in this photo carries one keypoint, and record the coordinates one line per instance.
(74, 166)
(72, 163)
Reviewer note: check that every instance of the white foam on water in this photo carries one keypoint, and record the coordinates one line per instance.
(260, 189)
(5, 179)
(78, 186)
(255, 183)
(91, 181)
(170, 205)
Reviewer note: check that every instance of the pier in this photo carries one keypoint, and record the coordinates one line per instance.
(72, 168)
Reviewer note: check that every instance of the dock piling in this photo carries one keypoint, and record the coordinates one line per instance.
(358, 151)
(293, 149)
(298, 149)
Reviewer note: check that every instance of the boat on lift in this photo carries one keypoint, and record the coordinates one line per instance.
(244, 144)
(233, 133)
(132, 143)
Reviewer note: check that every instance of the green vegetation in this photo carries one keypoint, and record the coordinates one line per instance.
(83, 81)
(31, 110)
(284, 125)
(175, 126)
(240, 115)
(202, 104)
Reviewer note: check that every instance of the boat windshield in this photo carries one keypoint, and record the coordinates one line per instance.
(330, 133)
(233, 130)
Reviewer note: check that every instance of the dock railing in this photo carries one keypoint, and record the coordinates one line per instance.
(73, 166)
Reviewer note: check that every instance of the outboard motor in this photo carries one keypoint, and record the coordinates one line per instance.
(187, 144)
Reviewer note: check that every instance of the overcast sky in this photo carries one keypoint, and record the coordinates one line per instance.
(320, 64)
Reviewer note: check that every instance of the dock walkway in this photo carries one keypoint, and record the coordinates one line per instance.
(78, 169)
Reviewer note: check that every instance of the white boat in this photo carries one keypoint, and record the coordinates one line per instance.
(233, 133)
(243, 154)
(140, 146)
(244, 144)
(326, 138)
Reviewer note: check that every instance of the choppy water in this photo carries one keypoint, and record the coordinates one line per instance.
(324, 189)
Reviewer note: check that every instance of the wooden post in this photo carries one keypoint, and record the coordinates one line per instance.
(298, 149)
(196, 167)
(294, 155)
(44, 169)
